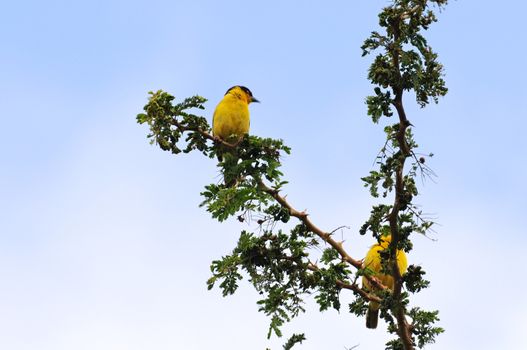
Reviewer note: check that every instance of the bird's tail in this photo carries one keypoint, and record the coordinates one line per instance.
(220, 150)
(372, 317)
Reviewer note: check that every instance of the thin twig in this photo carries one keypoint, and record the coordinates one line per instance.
(339, 228)
(351, 286)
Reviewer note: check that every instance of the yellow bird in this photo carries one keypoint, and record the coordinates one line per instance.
(373, 263)
(231, 118)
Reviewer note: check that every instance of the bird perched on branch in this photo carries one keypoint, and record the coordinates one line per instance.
(231, 123)
(373, 263)
(231, 118)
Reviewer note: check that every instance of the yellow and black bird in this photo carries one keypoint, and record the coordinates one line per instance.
(231, 119)
(374, 264)
(231, 123)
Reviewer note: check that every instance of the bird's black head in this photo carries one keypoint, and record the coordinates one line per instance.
(245, 90)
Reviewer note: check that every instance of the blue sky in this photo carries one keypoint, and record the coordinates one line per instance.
(102, 243)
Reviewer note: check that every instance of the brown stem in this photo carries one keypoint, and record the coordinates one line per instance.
(304, 218)
(399, 311)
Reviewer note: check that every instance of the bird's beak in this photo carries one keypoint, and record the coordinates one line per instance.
(254, 100)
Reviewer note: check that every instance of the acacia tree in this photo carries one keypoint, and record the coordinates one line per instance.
(281, 260)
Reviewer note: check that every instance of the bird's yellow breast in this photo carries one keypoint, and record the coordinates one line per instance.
(231, 118)
(373, 263)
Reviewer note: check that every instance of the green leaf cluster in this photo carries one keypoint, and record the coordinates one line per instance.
(293, 340)
(277, 264)
(423, 330)
(160, 114)
(406, 61)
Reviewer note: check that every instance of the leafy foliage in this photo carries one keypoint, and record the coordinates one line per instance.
(404, 62)
(166, 131)
(295, 339)
(287, 262)
(423, 328)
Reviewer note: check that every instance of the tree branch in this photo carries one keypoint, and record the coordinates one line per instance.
(353, 286)
(203, 133)
(404, 328)
(325, 236)
(303, 217)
